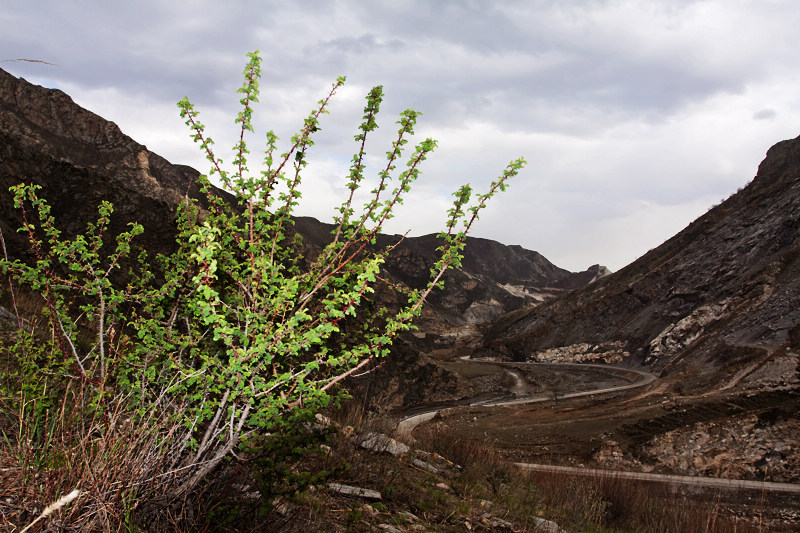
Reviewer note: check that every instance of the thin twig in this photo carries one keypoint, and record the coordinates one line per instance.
(10, 285)
(53, 507)
(31, 61)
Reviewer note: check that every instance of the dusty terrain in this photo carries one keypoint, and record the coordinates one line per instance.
(734, 433)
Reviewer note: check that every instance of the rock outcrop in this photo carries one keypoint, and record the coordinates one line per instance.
(741, 447)
(80, 159)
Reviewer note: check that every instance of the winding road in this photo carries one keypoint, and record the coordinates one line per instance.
(639, 379)
(672, 479)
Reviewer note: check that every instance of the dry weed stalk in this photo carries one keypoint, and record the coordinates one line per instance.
(53, 507)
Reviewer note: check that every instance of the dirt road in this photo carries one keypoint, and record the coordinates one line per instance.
(705, 482)
(636, 378)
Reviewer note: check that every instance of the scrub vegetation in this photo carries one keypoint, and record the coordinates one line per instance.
(135, 381)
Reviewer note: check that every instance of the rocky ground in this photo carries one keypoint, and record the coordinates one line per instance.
(742, 431)
(741, 447)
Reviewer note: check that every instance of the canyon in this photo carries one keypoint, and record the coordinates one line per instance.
(713, 314)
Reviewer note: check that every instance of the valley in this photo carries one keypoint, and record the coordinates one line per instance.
(684, 363)
(621, 430)
(622, 419)
(733, 448)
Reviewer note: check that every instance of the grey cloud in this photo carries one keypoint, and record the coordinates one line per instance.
(543, 69)
(765, 114)
(164, 58)
(589, 72)
(347, 46)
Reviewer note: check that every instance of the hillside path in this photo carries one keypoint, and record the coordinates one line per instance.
(640, 378)
(718, 483)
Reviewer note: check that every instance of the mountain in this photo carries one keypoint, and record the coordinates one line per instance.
(716, 306)
(80, 159)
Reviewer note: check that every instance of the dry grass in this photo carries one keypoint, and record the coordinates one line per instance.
(606, 503)
(110, 462)
(115, 467)
(106, 469)
(611, 503)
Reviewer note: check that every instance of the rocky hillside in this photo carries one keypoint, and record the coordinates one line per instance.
(718, 304)
(80, 159)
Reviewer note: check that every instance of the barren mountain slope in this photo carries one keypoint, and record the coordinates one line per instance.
(718, 304)
(80, 159)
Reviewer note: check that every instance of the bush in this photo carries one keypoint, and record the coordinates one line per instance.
(217, 346)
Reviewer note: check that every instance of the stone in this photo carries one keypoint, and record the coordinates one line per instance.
(411, 517)
(321, 421)
(7, 316)
(380, 443)
(541, 525)
(370, 510)
(419, 463)
(359, 492)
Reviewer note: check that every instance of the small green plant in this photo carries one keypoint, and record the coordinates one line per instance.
(220, 346)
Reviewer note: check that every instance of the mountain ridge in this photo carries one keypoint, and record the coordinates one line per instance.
(45, 126)
(722, 294)
(81, 159)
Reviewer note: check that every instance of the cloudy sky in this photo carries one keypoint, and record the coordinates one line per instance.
(635, 116)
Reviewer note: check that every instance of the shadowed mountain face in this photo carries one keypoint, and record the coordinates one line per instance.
(719, 303)
(80, 159)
